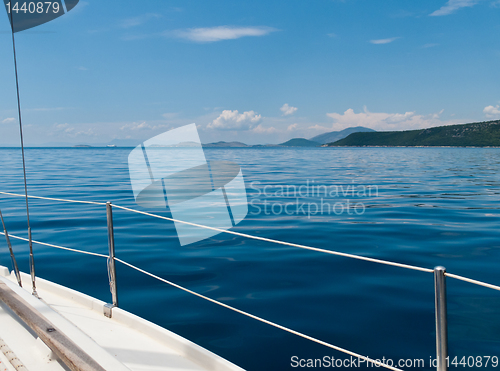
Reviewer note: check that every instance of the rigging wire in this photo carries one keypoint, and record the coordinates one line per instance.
(12, 256)
(32, 259)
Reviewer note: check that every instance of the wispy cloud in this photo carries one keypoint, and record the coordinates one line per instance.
(8, 120)
(452, 6)
(259, 129)
(386, 121)
(331, 35)
(320, 128)
(72, 131)
(233, 120)
(288, 110)
(384, 41)
(143, 125)
(212, 34)
(431, 45)
(492, 111)
(139, 20)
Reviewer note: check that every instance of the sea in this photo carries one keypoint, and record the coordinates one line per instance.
(418, 206)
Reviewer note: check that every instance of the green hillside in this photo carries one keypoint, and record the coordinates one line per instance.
(333, 136)
(479, 134)
(300, 142)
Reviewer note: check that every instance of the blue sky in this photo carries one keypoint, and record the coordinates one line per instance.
(254, 71)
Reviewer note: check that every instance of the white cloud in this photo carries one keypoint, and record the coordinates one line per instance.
(293, 127)
(85, 133)
(259, 129)
(8, 120)
(492, 111)
(72, 132)
(141, 126)
(288, 110)
(319, 128)
(331, 35)
(385, 121)
(453, 5)
(139, 20)
(233, 120)
(62, 127)
(211, 34)
(135, 126)
(384, 41)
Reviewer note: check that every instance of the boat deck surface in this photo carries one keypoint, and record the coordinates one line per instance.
(123, 342)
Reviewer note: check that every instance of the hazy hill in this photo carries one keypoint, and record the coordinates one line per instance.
(225, 144)
(333, 136)
(479, 134)
(300, 142)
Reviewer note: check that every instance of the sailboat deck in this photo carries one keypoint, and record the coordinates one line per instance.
(123, 342)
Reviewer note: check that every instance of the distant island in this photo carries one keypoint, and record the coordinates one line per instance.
(296, 142)
(478, 134)
(316, 141)
(226, 144)
(300, 142)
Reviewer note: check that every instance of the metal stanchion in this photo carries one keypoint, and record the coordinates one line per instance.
(441, 319)
(111, 263)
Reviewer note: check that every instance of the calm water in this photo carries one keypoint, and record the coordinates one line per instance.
(427, 207)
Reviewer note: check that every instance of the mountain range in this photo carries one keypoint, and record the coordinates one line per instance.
(478, 134)
(333, 136)
(226, 144)
(316, 141)
(300, 142)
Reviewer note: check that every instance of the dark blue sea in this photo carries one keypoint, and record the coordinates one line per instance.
(418, 206)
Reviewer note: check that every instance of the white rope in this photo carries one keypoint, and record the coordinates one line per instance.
(56, 246)
(285, 243)
(11, 356)
(461, 278)
(55, 199)
(260, 319)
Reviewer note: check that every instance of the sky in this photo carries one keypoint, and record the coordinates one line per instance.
(251, 71)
